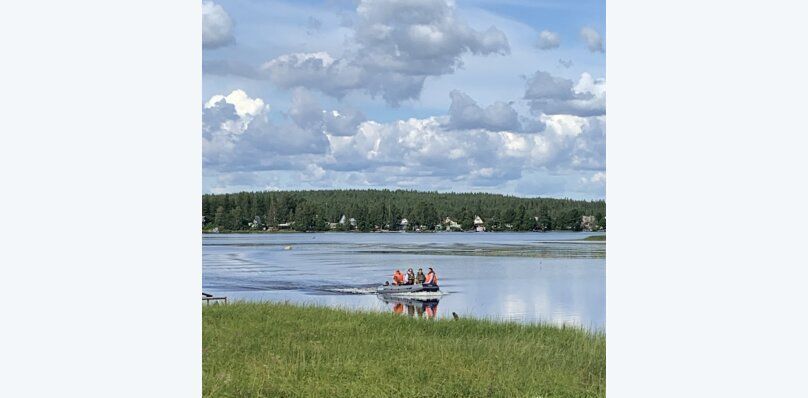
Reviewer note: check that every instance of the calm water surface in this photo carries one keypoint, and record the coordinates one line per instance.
(525, 277)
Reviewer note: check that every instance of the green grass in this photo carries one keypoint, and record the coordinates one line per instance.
(283, 350)
(598, 238)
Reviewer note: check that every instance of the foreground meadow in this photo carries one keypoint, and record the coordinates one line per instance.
(282, 350)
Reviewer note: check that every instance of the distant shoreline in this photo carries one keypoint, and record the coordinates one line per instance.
(369, 210)
(247, 232)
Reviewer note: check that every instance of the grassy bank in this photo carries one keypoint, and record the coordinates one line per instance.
(596, 238)
(281, 350)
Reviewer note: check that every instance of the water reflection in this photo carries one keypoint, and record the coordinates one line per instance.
(561, 282)
(421, 307)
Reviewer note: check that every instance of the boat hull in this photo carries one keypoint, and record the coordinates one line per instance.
(416, 288)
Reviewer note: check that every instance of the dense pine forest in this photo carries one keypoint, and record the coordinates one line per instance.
(373, 210)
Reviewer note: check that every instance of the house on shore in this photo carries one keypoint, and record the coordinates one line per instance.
(256, 223)
(479, 225)
(285, 225)
(451, 225)
(404, 224)
(344, 220)
(588, 223)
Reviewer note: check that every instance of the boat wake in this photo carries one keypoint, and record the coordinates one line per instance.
(365, 290)
(351, 290)
(418, 295)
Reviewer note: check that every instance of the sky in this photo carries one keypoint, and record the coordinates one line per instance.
(467, 96)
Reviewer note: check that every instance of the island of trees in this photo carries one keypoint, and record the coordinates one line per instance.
(386, 210)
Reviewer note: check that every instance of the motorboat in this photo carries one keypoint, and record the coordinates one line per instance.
(414, 288)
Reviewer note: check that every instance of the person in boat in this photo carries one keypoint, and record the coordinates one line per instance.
(398, 278)
(431, 278)
(410, 277)
(420, 278)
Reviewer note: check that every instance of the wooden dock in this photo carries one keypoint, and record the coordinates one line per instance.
(207, 298)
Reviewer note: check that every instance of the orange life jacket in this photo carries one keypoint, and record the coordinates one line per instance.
(398, 278)
(431, 278)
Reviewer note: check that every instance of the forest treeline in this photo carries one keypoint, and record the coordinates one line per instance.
(385, 210)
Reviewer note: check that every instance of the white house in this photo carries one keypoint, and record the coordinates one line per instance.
(256, 222)
(404, 223)
(588, 223)
(451, 224)
(479, 226)
(343, 220)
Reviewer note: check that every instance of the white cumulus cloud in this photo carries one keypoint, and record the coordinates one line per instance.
(548, 40)
(406, 153)
(315, 70)
(237, 134)
(395, 46)
(244, 105)
(217, 27)
(464, 113)
(551, 95)
(592, 38)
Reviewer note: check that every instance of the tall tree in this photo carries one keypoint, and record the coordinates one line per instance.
(306, 217)
(220, 220)
(545, 222)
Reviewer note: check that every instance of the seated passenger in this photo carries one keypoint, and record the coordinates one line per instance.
(398, 278)
(431, 278)
(410, 277)
(420, 278)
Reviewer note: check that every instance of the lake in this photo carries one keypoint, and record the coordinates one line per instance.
(527, 277)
